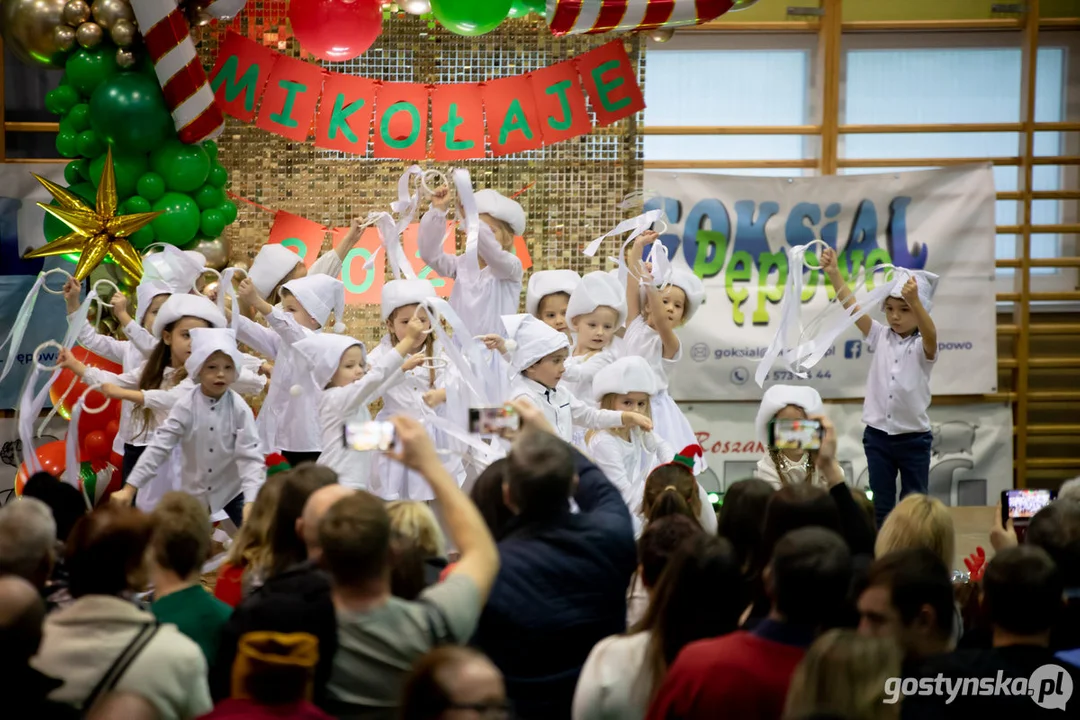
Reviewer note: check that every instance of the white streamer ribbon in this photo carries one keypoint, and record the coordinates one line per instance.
(798, 352)
(71, 444)
(22, 318)
(467, 355)
(31, 403)
(408, 199)
(389, 240)
(635, 225)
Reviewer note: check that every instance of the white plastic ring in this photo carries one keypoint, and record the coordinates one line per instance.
(436, 176)
(94, 411)
(45, 284)
(203, 274)
(42, 346)
(663, 222)
(434, 363)
(101, 298)
(149, 249)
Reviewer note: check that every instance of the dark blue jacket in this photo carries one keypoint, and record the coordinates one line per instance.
(561, 588)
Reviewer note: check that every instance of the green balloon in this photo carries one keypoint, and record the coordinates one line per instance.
(143, 237)
(128, 110)
(75, 172)
(218, 176)
(151, 186)
(89, 144)
(61, 99)
(208, 197)
(67, 143)
(468, 17)
(228, 209)
(128, 170)
(521, 8)
(79, 117)
(179, 221)
(135, 204)
(212, 222)
(184, 167)
(87, 69)
(54, 228)
(211, 149)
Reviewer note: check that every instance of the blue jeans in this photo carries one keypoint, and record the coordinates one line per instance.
(235, 509)
(886, 454)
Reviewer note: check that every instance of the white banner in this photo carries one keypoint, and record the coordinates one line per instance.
(971, 455)
(732, 230)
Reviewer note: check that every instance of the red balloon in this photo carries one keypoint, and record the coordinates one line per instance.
(97, 445)
(68, 388)
(336, 30)
(52, 458)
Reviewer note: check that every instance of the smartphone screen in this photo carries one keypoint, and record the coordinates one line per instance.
(1018, 504)
(368, 436)
(795, 434)
(493, 420)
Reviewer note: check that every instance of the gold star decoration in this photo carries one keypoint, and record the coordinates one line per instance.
(95, 232)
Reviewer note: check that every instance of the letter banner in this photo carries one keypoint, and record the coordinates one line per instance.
(735, 232)
(302, 236)
(971, 450)
(524, 112)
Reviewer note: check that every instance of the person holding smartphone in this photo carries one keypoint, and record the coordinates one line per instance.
(781, 407)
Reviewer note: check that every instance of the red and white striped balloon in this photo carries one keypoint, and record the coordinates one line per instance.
(182, 77)
(576, 17)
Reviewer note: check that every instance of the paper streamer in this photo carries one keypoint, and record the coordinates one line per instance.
(577, 17)
(390, 241)
(22, 318)
(790, 345)
(180, 73)
(636, 225)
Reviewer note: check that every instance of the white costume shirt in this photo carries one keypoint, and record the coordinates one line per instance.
(338, 405)
(286, 421)
(898, 386)
(131, 354)
(627, 464)
(220, 456)
(480, 297)
(580, 371)
(794, 472)
(643, 341)
(403, 394)
(328, 264)
(562, 409)
(613, 682)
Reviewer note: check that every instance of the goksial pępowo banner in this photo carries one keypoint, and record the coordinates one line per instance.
(732, 230)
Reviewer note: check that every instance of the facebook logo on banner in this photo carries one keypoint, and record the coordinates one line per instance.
(853, 349)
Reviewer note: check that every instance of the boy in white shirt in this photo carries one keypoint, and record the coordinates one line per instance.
(897, 436)
(215, 429)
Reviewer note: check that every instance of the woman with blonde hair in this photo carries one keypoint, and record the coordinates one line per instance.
(918, 521)
(415, 522)
(843, 675)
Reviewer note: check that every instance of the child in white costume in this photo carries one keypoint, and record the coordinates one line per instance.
(651, 335)
(345, 385)
(130, 353)
(537, 358)
(597, 309)
(548, 295)
(786, 467)
(288, 421)
(415, 391)
(627, 455)
(212, 428)
(276, 265)
(156, 385)
(485, 290)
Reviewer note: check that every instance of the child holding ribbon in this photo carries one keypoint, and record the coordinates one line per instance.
(897, 435)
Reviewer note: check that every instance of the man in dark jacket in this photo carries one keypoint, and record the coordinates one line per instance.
(562, 583)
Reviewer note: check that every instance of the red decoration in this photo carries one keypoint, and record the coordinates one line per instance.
(560, 102)
(96, 445)
(183, 79)
(513, 123)
(611, 81)
(288, 105)
(344, 121)
(68, 388)
(574, 17)
(53, 459)
(401, 121)
(336, 30)
(457, 122)
(240, 75)
(303, 237)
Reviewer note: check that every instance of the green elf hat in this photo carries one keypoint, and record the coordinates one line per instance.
(275, 463)
(685, 457)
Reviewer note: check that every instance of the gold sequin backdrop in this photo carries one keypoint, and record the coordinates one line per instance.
(578, 183)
